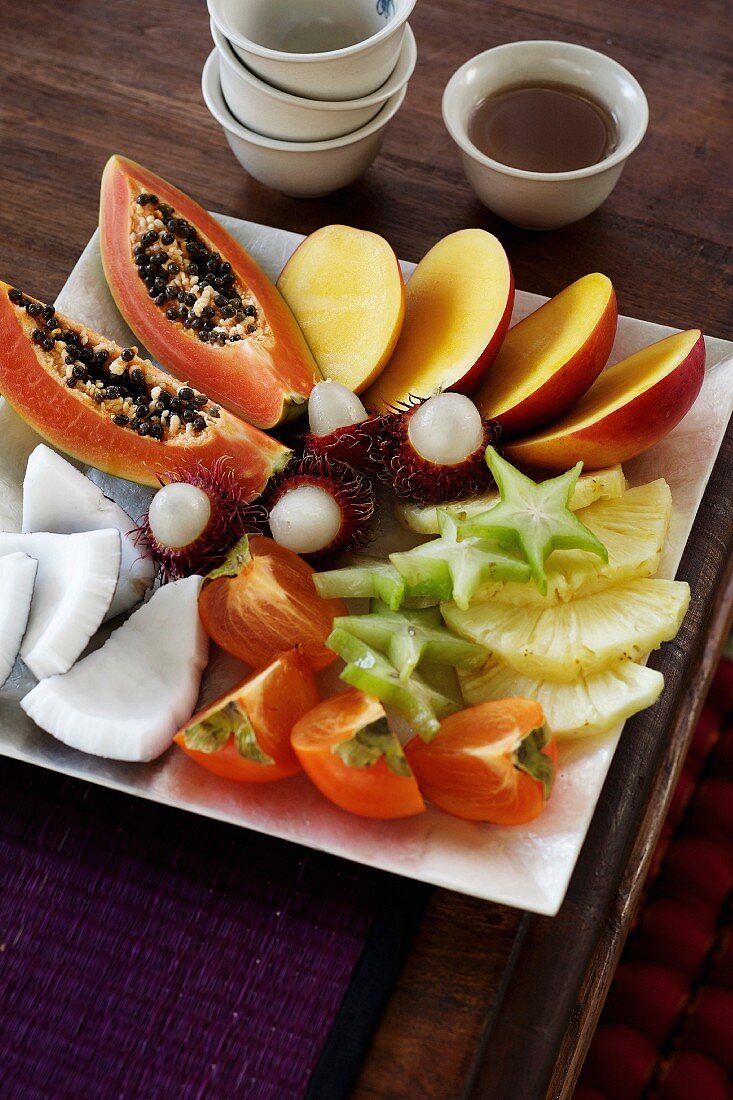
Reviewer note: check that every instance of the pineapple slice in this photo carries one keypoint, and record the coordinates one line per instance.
(565, 640)
(633, 528)
(589, 705)
(596, 485)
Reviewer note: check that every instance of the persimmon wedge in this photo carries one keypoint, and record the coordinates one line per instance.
(262, 601)
(346, 748)
(245, 734)
(492, 762)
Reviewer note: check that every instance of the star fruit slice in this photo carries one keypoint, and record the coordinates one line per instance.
(447, 569)
(363, 578)
(412, 636)
(421, 705)
(533, 518)
(606, 484)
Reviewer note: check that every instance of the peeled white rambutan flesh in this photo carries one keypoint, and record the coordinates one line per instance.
(305, 519)
(126, 700)
(332, 405)
(446, 429)
(179, 514)
(59, 498)
(17, 578)
(433, 451)
(341, 428)
(318, 507)
(194, 518)
(75, 585)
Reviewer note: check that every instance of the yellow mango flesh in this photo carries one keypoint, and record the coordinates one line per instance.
(346, 291)
(456, 305)
(537, 347)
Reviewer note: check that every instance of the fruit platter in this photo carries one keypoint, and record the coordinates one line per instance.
(362, 554)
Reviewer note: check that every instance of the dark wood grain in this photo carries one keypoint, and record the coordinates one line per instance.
(81, 80)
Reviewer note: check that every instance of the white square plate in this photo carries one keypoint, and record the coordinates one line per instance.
(528, 867)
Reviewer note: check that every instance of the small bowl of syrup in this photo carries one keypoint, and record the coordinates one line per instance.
(544, 129)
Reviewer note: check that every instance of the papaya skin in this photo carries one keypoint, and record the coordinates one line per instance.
(71, 422)
(265, 384)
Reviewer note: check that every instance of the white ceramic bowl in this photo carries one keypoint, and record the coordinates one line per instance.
(544, 200)
(305, 169)
(287, 117)
(267, 35)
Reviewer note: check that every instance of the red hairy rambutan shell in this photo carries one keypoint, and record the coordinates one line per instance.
(357, 445)
(351, 491)
(411, 475)
(231, 517)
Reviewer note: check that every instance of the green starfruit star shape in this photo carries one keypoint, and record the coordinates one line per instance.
(448, 569)
(411, 637)
(532, 518)
(420, 703)
(363, 577)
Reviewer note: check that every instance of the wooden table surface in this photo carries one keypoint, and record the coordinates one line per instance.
(489, 997)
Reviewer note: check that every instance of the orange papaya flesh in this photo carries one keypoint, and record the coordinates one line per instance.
(82, 392)
(253, 358)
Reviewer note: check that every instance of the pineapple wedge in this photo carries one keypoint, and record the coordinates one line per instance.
(566, 640)
(589, 705)
(596, 485)
(632, 527)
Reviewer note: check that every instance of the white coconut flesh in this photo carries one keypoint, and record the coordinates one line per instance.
(305, 519)
(18, 440)
(17, 578)
(332, 405)
(126, 700)
(75, 585)
(446, 429)
(59, 498)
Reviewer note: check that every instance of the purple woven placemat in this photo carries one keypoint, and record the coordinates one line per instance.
(145, 952)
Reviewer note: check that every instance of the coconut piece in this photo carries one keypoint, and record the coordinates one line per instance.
(18, 442)
(17, 578)
(59, 498)
(75, 585)
(126, 700)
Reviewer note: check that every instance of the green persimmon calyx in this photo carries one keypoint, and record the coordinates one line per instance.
(236, 560)
(530, 758)
(370, 744)
(212, 733)
(533, 518)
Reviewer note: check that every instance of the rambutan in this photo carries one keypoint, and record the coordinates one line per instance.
(194, 519)
(433, 451)
(319, 508)
(341, 429)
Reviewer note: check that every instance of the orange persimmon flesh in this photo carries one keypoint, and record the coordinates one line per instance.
(268, 607)
(272, 700)
(374, 791)
(470, 768)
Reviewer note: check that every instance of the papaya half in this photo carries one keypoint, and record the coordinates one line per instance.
(107, 407)
(197, 300)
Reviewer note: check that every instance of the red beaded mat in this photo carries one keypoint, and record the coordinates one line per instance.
(666, 1032)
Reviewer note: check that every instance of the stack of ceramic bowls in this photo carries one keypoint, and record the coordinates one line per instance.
(304, 89)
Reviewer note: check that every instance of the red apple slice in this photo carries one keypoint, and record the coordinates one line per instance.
(346, 291)
(551, 358)
(458, 305)
(631, 407)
